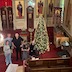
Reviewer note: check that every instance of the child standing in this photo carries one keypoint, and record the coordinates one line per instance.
(7, 53)
(25, 53)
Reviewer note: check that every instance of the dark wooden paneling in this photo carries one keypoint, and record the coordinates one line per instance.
(30, 17)
(7, 18)
(51, 34)
(50, 65)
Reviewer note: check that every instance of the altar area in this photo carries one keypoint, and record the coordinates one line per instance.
(26, 24)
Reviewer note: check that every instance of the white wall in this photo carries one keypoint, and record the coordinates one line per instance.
(69, 31)
(71, 17)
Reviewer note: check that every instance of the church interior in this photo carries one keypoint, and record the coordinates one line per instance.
(46, 22)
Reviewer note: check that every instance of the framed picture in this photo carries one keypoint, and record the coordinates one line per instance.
(50, 7)
(57, 16)
(40, 7)
(19, 9)
(57, 11)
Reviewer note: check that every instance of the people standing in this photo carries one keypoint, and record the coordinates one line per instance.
(17, 41)
(32, 51)
(9, 38)
(7, 53)
(25, 53)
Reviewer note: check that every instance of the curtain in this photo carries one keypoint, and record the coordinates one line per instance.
(2, 3)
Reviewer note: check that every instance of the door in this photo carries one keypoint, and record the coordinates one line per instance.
(7, 18)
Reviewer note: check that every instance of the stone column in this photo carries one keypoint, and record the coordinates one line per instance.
(35, 14)
(65, 11)
(0, 23)
(71, 17)
(69, 31)
(46, 10)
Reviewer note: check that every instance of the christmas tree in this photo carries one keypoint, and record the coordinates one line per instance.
(41, 36)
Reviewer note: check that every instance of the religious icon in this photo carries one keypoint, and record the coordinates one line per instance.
(50, 7)
(19, 8)
(57, 16)
(40, 7)
(40, 4)
(3, 15)
(57, 12)
(10, 15)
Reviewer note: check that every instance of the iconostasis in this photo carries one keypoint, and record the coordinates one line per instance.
(20, 14)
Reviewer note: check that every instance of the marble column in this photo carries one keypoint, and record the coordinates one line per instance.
(46, 10)
(69, 31)
(65, 11)
(0, 23)
(71, 17)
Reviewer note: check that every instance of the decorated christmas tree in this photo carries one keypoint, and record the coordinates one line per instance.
(41, 36)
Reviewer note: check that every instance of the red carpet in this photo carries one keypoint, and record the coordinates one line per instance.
(51, 54)
(2, 62)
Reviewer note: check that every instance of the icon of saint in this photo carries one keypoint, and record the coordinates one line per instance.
(50, 7)
(40, 7)
(19, 8)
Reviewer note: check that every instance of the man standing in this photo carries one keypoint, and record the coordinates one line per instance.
(17, 41)
(19, 8)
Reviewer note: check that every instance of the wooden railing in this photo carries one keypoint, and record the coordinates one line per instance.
(50, 65)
